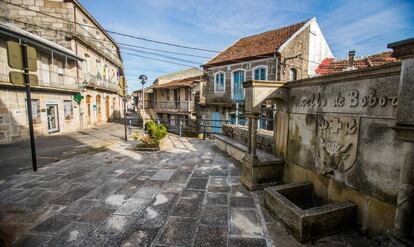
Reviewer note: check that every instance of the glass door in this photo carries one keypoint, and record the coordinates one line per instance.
(238, 79)
(52, 118)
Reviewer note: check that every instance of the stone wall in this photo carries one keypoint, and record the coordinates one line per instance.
(341, 138)
(264, 137)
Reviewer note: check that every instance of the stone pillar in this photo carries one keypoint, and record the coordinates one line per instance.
(249, 136)
(404, 218)
(253, 131)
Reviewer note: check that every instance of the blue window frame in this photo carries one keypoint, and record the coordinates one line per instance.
(219, 82)
(238, 79)
(260, 73)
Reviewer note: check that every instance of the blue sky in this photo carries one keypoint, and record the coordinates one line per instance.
(366, 26)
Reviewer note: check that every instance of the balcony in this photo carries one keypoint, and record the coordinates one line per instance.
(99, 82)
(46, 78)
(174, 106)
(104, 47)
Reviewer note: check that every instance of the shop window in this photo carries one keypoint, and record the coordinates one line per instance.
(36, 111)
(68, 109)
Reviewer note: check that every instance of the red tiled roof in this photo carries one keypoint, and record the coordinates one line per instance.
(186, 82)
(256, 45)
(331, 65)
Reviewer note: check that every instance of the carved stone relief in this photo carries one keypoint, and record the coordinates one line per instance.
(337, 140)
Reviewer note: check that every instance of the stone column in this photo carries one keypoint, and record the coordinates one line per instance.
(253, 130)
(404, 218)
(249, 137)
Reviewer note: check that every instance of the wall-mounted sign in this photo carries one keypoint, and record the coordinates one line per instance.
(51, 102)
(18, 78)
(15, 56)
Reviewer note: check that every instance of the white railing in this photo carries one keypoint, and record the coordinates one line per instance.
(180, 106)
(98, 81)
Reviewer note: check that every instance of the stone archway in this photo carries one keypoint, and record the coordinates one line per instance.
(107, 109)
(88, 109)
(98, 109)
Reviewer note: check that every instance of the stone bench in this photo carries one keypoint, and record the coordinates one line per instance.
(267, 172)
(305, 215)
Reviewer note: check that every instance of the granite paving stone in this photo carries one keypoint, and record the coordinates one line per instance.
(187, 207)
(178, 231)
(242, 202)
(146, 192)
(217, 198)
(132, 206)
(114, 226)
(197, 184)
(53, 224)
(211, 236)
(247, 242)
(163, 174)
(79, 207)
(245, 222)
(214, 215)
(71, 196)
(187, 195)
(72, 235)
(96, 215)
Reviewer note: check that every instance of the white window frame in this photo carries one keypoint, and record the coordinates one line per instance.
(224, 80)
(260, 67)
(232, 81)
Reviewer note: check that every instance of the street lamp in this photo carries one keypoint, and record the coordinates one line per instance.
(143, 79)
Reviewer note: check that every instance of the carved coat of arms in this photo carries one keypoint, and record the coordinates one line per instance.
(337, 140)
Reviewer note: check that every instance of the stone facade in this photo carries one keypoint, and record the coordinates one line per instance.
(92, 68)
(337, 132)
(294, 55)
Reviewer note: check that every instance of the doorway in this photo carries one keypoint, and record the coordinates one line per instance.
(216, 122)
(88, 109)
(52, 118)
(98, 108)
(107, 111)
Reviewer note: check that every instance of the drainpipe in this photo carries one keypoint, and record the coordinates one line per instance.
(403, 232)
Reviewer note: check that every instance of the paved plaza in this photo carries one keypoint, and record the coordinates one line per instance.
(187, 195)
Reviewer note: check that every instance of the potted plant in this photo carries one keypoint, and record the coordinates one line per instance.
(152, 140)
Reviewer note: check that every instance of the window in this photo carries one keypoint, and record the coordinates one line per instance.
(260, 73)
(293, 74)
(167, 94)
(36, 111)
(219, 82)
(68, 109)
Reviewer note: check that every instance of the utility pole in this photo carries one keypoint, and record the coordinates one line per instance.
(125, 119)
(23, 44)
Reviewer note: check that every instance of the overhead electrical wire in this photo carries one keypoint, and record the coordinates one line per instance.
(119, 33)
(140, 38)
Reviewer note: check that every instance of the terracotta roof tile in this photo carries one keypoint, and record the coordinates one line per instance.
(186, 82)
(331, 66)
(256, 45)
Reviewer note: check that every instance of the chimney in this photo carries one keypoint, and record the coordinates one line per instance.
(351, 57)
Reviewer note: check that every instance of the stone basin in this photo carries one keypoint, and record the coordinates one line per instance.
(304, 214)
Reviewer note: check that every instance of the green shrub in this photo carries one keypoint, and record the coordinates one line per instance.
(156, 132)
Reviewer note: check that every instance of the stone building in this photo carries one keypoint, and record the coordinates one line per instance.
(174, 97)
(342, 152)
(283, 54)
(97, 71)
